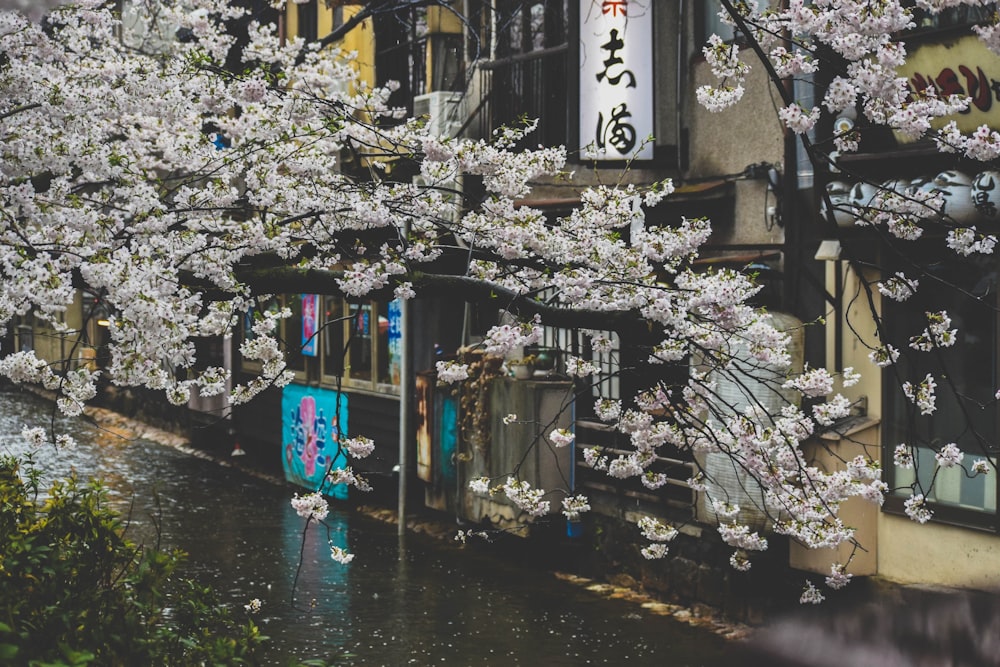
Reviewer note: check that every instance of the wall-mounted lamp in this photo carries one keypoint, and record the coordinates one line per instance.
(845, 120)
(774, 187)
(774, 180)
(842, 125)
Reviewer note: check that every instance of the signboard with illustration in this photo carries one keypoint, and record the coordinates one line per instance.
(964, 67)
(314, 420)
(616, 78)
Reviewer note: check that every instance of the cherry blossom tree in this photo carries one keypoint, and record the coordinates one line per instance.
(183, 193)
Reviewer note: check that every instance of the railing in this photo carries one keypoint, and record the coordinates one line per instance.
(675, 498)
(532, 85)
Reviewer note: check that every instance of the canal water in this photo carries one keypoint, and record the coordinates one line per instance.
(400, 602)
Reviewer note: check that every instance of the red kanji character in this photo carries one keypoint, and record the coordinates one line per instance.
(947, 83)
(614, 6)
(978, 87)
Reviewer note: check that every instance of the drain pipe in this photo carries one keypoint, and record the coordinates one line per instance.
(679, 87)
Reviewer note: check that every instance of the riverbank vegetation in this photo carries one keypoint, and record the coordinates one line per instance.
(75, 590)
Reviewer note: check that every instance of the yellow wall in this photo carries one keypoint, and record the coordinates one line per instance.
(360, 40)
(859, 335)
(937, 554)
(291, 20)
(443, 20)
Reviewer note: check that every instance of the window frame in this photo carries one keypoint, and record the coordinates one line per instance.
(338, 319)
(307, 20)
(535, 82)
(554, 27)
(710, 24)
(893, 317)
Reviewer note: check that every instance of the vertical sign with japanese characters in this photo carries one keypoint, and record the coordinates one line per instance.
(616, 78)
(395, 340)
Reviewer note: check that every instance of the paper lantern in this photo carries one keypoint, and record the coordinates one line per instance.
(985, 194)
(839, 194)
(956, 189)
(862, 198)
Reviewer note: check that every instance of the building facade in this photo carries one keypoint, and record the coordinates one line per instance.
(615, 83)
(959, 545)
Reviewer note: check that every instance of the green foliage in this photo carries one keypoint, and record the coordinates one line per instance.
(74, 591)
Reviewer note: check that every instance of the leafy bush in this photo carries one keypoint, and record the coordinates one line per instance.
(75, 591)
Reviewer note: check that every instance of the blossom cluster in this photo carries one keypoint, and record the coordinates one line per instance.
(574, 506)
(311, 506)
(937, 333)
(347, 477)
(561, 437)
(359, 447)
(526, 498)
(922, 394)
(449, 372)
(340, 555)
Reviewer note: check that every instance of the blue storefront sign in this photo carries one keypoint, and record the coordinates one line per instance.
(395, 339)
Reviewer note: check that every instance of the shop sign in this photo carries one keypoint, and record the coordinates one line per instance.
(961, 67)
(314, 420)
(616, 78)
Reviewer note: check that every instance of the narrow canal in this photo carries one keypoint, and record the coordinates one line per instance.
(409, 602)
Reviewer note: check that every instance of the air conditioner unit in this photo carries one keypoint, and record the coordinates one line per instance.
(444, 111)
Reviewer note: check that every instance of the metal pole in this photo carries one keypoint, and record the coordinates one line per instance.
(405, 377)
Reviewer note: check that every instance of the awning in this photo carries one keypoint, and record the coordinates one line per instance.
(714, 189)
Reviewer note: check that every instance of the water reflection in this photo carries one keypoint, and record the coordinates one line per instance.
(414, 602)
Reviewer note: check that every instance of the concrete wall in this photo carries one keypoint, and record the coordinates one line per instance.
(727, 141)
(723, 144)
(937, 554)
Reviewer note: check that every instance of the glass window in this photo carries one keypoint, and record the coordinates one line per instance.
(966, 377)
(952, 17)
(292, 336)
(523, 27)
(307, 20)
(529, 71)
(247, 333)
(332, 339)
(359, 345)
(712, 24)
(389, 342)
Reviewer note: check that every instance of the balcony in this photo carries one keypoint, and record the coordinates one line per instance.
(532, 85)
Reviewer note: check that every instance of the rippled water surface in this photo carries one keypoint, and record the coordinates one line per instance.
(415, 602)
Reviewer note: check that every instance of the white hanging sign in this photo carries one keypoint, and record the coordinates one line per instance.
(616, 78)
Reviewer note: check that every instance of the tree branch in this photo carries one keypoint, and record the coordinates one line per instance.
(283, 279)
(367, 12)
(17, 110)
